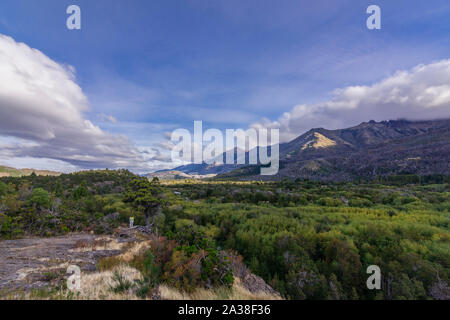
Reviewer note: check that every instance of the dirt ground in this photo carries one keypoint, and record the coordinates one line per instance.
(37, 262)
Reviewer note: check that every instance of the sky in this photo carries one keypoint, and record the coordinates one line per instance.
(110, 94)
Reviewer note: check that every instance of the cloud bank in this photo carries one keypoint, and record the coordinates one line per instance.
(418, 94)
(41, 114)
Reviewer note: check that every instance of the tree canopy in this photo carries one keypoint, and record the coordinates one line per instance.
(144, 195)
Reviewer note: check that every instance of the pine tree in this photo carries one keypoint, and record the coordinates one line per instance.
(145, 196)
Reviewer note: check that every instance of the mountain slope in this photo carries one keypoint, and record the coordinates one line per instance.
(12, 172)
(367, 150)
(209, 169)
(176, 175)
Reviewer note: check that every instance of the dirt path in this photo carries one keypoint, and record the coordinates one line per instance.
(36, 262)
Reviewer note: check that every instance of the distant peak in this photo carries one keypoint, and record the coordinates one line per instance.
(318, 140)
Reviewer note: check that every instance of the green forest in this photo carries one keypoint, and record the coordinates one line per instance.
(307, 239)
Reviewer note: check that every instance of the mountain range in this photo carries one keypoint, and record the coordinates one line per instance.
(367, 150)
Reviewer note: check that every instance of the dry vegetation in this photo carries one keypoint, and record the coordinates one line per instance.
(116, 280)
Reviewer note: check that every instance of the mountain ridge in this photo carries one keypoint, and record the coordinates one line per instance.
(6, 171)
(365, 150)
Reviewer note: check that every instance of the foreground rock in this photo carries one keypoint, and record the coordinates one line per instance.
(37, 262)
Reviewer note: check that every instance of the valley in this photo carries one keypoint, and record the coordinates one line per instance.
(197, 239)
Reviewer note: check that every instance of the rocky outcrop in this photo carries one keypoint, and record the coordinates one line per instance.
(38, 262)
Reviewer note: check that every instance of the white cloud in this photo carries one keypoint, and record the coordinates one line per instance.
(107, 117)
(41, 164)
(417, 94)
(41, 103)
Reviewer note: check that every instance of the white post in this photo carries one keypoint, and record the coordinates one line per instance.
(131, 222)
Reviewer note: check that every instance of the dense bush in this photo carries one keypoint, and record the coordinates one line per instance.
(315, 241)
(56, 205)
(186, 264)
(39, 198)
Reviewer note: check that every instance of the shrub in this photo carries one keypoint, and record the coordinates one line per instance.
(3, 189)
(186, 265)
(81, 191)
(121, 284)
(39, 198)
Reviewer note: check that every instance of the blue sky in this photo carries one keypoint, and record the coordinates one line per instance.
(159, 65)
